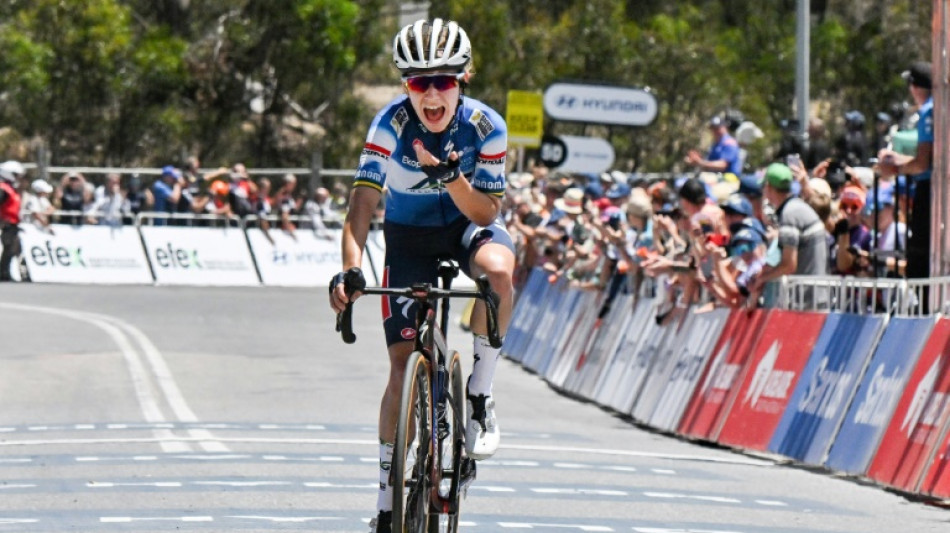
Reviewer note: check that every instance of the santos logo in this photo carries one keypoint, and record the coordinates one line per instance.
(54, 256)
(827, 392)
(171, 257)
(883, 392)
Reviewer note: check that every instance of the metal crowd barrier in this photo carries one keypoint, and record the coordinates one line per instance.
(846, 294)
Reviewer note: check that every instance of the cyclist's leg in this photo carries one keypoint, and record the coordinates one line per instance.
(489, 251)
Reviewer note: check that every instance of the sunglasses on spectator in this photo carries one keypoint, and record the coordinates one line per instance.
(850, 206)
(421, 84)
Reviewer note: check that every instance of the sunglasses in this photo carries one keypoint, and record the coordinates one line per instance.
(850, 206)
(421, 84)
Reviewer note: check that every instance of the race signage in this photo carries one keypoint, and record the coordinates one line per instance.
(525, 118)
(304, 259)
(199, 256)
(600, 104)
(883, 384)
(770, 378)
(826, 386)
(577, 154)
(84, 254)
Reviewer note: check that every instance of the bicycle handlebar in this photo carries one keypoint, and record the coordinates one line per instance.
(421, 292)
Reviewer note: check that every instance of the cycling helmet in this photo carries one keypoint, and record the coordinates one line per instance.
(9, 170)
(423, 47)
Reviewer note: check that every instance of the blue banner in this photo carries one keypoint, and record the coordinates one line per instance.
(525, 315)
(870, 413)
(826, 386)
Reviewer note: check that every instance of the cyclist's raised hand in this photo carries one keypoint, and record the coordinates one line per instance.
(345, 287)
(443, 171)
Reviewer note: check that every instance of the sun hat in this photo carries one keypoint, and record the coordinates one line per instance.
(572, 202)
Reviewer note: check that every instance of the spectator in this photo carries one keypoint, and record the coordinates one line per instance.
(73, 197)
(137, 198)
(750, 187)
(320, 207)
(219, 204)
(732, 280)
(285, 203)
(106, 208)
(38, 209)
(10, 173)
(888, 235)
(242, 191)
(919, 167)
(818, 149)
(166, 191)
(747, 133)
(723, 157)
(851, 235)
(882, 132)
(801, 237)
(852, 147)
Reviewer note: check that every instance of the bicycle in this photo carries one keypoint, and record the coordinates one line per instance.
(430, 472)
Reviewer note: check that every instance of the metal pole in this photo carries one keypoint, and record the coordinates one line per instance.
(940, 192)
(802, 54)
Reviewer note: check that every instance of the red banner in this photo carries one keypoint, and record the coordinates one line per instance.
(937, 481)
(769, 378)
(908, 444)
(716, 390)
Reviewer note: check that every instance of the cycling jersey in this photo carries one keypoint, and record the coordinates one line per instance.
(477, 133)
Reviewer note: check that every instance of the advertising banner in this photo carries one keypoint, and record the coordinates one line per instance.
(719, 382)
(631, 334)
(870, 412)
(936, 482)
(555, 308)
(304, 259)
(770, 377)
(605, 346)
(580, 329)
(910, 441)
(525, 314)
(691, 358)
(826, 386)
(657, 343)
(524, 117)
(662, 365)
(199, 256)
(600, 104)
(85, 254)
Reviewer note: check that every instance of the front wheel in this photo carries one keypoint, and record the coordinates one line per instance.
(452, 428)
(412, 450)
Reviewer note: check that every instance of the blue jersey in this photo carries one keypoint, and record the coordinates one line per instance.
(727, 149)
(388, 162)
(925, 132)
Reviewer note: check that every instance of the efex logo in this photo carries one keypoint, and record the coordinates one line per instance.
(57, 256)
(171, 257)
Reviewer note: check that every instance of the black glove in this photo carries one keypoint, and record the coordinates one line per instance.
(841, 228)
(445, 172)
(352, 280)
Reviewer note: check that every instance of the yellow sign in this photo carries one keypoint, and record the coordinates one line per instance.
(525, 118)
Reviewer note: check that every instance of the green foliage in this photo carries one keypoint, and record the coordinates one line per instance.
(269, 81)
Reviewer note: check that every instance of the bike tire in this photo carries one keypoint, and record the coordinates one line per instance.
(455, 407)
(412, 450)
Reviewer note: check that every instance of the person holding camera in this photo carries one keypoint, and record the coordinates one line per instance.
(851, 234)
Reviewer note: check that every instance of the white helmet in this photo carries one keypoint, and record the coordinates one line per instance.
(10, 170)
(422, 47)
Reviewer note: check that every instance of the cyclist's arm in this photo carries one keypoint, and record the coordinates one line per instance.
(479, 207)
(363, 202)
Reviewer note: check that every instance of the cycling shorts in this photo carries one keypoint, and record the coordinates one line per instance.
(412, 256)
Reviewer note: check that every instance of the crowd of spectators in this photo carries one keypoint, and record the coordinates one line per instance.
(187, 195)
(716, 236)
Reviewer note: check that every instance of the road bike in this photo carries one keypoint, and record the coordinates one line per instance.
(430, 472)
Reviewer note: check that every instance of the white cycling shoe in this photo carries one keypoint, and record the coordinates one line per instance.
(481, 431)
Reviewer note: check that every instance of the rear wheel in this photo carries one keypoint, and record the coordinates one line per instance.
(452, 426)
(412, 450)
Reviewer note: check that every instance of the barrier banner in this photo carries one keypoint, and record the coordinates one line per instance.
(910, 442)
(605, 345)
(870, 412)
(657, 344)
(84, 254)
(525, 314)
(556, 309)
(199, 256)
(609, 385)
(826, 386)
(718, 384)
(677, 385)
(770, 377)
(580, 330)
(302, 260)
(937, 480)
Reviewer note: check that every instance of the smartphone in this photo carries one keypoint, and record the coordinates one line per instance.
(793, 160)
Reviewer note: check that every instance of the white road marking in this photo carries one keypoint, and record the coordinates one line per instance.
(673, 495)
(491, 488)
(772, 503)
(328, 485)
(596, 492)
(632, 453)
(16, 460)
(281, 519)
(665, 471)
(148, 399)
(112, 485)
(19, 520)
(678, 530)
(243, 483)
(129, 519)
(6, 486)
(526, 525)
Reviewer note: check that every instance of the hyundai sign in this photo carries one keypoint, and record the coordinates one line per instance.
(600, 104)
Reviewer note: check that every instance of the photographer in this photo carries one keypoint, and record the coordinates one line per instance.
(851, 233)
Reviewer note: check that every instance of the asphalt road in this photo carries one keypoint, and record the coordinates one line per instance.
(199, 409)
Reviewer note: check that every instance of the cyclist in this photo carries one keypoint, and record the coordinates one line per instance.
(439, 157)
